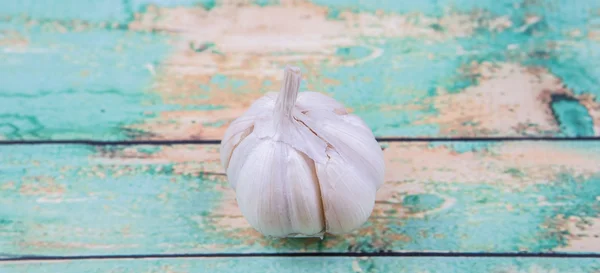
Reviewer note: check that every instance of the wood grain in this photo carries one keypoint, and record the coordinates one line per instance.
(184, 69)
(316, 264)
(460, 197)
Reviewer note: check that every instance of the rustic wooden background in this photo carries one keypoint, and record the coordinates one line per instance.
(111, 111)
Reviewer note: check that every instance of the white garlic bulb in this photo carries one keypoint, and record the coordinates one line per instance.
(301, 165)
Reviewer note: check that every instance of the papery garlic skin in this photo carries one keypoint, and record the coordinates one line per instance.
(301, 165)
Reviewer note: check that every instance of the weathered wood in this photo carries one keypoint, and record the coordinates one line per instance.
(178, 70)
(117, 11)
(465, 196)
(311, 264)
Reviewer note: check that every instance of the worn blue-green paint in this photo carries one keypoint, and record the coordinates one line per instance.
(422, 202)
(104, 202)
(313, 264)
(214, 124)
(94, 65)
(72, 83)
(464, 147)
(126, 207)
(222, 81)
(208, 4)
(96, 60)
(403, 66)
(573, 118)
(111, 10)
(494, 227)
(406, 61)
(578, 66)
(428, 7)
(575, 61)
(120, 11)
(79, 84)
(353, 52)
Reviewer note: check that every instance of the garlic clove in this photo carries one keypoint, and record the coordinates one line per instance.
(354, 170)
(236, 132)
(354, 143)
(348, 199)
(241, 126)
(277, 190)
(239, 158)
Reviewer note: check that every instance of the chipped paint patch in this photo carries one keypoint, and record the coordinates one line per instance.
(508, 99)
(583, 234)
(245, 48)
(40, 185)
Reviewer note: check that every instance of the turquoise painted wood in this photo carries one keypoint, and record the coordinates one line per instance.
(318, 264)
(150, 69)
(183, 69)
(459, 197)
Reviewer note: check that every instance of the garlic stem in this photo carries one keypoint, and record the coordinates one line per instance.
(288, 94)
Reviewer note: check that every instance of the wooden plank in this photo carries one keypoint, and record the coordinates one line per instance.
(109, 11)
(71, 80)
(420, 69)
(465, 196)
(312, 264)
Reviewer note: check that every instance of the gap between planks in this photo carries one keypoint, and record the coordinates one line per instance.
(308, 254)
(217, 141)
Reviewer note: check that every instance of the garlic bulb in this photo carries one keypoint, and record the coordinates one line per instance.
(301, 165)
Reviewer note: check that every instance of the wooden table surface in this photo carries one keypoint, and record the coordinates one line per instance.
(111, 112)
